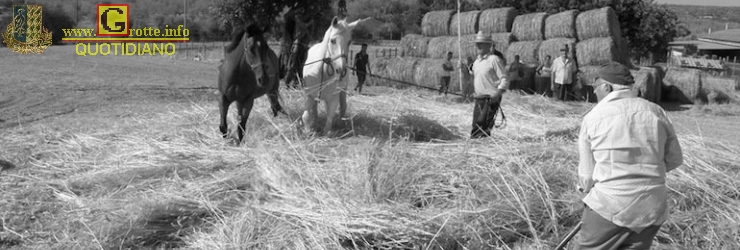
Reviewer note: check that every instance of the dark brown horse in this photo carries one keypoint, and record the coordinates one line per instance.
(248, 71)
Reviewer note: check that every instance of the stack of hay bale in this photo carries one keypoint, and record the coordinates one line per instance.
(560, 31)
(600, 41)
(594, 37)
(423, 55)
(529, 32)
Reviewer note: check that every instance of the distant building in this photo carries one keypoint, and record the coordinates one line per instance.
(715, 51)
(723, 44)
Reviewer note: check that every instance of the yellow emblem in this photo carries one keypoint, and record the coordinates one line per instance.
(25, 34)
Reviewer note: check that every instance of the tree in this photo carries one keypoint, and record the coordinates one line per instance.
(265, 13)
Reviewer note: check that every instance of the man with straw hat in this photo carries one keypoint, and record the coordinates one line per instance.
(489, 84)
(626, 146)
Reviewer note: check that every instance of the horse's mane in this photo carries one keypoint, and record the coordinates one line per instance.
(234, 41)
(252, 30)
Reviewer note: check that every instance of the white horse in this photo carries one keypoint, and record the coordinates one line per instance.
(325, 71)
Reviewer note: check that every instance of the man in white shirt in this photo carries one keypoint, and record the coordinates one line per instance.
(626, 146)
(563, 69)
(489, 83)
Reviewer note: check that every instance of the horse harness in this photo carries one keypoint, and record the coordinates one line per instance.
(324, 61)
(258, 65)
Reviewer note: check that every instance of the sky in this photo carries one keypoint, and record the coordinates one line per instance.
(702, 2)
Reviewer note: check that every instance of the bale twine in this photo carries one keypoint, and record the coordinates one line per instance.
(400, 68)
(683, 85)
(497, 20)
(646, 84)
(436, 23)
(527, 51)
(468, 23)
(529, 27)
(414, 45)
(561, 25)
(598, 51)
(552, 48)
(429, 71)
(598, 23)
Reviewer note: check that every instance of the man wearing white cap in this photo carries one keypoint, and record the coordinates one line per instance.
(489, 83)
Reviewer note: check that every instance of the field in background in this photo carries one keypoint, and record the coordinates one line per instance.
(123, 152)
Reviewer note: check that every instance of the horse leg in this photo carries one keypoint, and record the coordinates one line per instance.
(342, 103)
(223, 105)
(331, 108)
(244, 109)
(309, 115)
(275, 106)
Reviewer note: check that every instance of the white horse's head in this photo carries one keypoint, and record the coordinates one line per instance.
(338, 37)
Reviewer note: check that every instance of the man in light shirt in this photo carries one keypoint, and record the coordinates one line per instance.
(489, 83)
(626, 146)
(563, 69)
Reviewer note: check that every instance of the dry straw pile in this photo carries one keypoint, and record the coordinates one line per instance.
(497, 20)
(414, 45)
(436, 23)
(468, 22)
(561, 25)
(529, 27)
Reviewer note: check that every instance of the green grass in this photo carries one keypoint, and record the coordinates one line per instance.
(400, 174)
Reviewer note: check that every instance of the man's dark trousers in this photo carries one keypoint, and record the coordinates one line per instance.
(484, 115)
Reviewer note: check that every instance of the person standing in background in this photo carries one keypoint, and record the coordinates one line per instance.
(362, 66)
(563, 70)
(543, 77)
(516, 73)
(446, 75)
